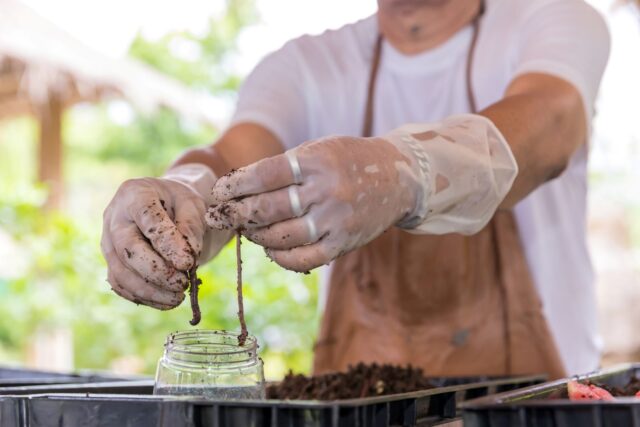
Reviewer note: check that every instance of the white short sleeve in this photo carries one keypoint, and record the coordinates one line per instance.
(274, 96)
(567, 39)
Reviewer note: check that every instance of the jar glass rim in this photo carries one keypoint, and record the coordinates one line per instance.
(202, 342)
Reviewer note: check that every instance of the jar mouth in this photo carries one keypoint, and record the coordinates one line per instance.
(209, 347)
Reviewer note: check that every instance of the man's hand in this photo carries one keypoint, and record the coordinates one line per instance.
(319, 200)
(154, 231)
(330, 196)
(154, 226)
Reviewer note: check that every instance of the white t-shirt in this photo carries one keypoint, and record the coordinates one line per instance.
(316, 86)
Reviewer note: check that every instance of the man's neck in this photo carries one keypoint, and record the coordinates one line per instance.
(415, 26)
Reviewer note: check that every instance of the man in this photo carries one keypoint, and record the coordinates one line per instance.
(457, 241)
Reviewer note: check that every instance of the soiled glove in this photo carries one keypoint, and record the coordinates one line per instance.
(154, 231)
(332, 195)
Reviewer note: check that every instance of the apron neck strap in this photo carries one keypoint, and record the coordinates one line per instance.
(367, 127)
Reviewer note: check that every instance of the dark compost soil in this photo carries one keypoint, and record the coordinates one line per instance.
(359, 381)
(629, 390)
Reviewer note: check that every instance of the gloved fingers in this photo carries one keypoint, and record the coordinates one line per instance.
(287, 234)
(266, 175)
(136, 254)
(302, 259)
(145, 297)
(260, 210)
(189, 220)
(156, 225)
(133, 287)
(122, 292)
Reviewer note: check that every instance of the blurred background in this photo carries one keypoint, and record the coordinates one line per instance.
(93, 93)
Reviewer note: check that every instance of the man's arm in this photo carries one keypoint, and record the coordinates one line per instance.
(542, 117)
(241, 145)
(450, 176)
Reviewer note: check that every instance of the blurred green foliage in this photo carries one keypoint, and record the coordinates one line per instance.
(206, 67)
(152, 141)
(56, 274)
(146, 145)
(63, 284)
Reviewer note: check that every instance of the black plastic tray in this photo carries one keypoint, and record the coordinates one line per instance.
(131, 404)
(24, 377)
(541, 405)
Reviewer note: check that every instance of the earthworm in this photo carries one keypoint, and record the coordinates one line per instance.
(243, 326)
(194, 283)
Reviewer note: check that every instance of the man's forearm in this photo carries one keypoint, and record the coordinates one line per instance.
(543, 120)
(240, 146)
(208, 156)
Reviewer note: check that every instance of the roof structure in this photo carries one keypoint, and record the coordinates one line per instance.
(43, 70)
(38, 58)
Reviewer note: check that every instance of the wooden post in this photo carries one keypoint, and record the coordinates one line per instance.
(50, 153)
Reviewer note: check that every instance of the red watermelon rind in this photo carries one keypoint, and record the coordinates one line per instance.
(578, 391)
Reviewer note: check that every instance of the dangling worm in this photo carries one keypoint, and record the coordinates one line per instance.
(243, 326)
(194, 283)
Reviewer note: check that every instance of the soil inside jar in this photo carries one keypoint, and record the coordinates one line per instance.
(362, 380)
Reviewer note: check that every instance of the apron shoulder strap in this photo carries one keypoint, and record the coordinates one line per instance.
(367, 125)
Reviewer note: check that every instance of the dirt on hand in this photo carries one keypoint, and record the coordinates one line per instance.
(359, 381)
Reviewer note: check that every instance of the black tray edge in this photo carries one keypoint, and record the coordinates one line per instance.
(523, 397)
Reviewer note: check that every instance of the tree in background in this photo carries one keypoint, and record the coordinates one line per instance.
(207, 67)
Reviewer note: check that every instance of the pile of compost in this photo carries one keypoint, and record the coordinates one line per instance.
(629, 390)
(359, 381)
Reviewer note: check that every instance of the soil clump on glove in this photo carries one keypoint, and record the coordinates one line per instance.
(362, 380)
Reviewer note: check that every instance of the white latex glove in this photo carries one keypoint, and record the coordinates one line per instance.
(154, 231)
(332, 195)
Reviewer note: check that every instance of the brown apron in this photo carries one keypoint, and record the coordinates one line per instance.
(453, 305)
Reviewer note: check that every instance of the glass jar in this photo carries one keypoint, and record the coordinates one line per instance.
(210, 364)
